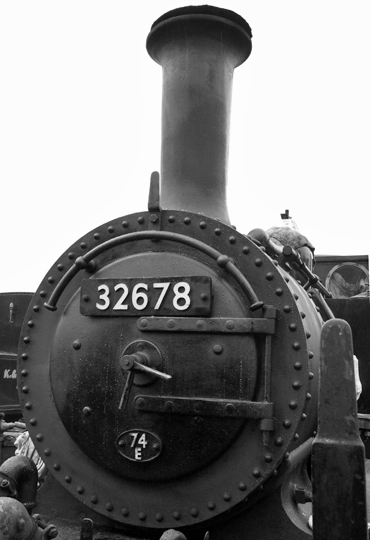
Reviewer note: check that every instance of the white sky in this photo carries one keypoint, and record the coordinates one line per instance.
(80, 106)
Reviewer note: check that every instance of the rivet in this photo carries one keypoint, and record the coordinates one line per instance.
(296, 437)
(68, 479)
(218, 232)
(94, 499)
(176, 515)
(287, 309)
(311, 375)
(279, 441)
(96, 236)
(310, 355)
(28, 405)
(230, 325)
(26, 339)
(51, 279)
(125, 224)
(279, 292)
(31, 324)
(204, 296)
(308, 396)
(303, 315)
(242, 486)
(60, 267)
(85, 298)
(159, 517)
(200, 324)
(296, 297)
(87, 411)
(25, 389)
(43, 294)
(83, 245)
(121, 443)
(286, 279)
(268, 458)
(202, 224)
(80, 489)
(226, 496)
(33, 421)
(293, 404)
(286, 456)
(144, 323)
(298, 366)
(110, 229)
(293, 327)
(47, 452)
(256, 473)
(211, 505)
(308, 335)
(154, 218)
(232, 239)
(217, 349)
(140, 220)
(24, 372)
(71, 255)
(304, 416)
(171, 219)
(36, 308)
(296, 385)
(269, 276)
(109, 506)
(56, 467)
(258, 262)
(40, 437)
(125, 511)
(275, 262)
(24, 356)
(171, 323)
(142, 516)
(156, 446)
(168, 406)
(187, 221)
(245, 250)
(287, 424)
(76, 344)
(222, 261)
(229, 408)
(194, 512)
(296, 346)
(140, 402)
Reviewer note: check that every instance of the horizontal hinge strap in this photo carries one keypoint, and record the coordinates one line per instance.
(209, 325)
(224, 408)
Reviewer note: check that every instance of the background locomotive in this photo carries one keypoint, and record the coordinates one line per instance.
(168, 367)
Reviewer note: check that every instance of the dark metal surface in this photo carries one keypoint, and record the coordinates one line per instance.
(198, 49)
(219, 325)
(71, 354)
(13, 307)
(338, 456)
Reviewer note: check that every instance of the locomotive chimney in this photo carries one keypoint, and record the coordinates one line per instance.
(198, 48)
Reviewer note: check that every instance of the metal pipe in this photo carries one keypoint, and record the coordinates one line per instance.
(198, 48)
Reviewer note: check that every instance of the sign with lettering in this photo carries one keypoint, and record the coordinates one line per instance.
(139, 445)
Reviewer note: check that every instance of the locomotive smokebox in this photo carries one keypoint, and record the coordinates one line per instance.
(198, 48)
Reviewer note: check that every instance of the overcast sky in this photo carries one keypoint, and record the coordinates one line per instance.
(80, 106)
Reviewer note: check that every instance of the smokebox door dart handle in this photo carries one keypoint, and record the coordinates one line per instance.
(135, 362)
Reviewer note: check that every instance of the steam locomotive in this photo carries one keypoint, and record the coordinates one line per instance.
(168, 365)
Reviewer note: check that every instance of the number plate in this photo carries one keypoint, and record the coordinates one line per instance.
(166, 296)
